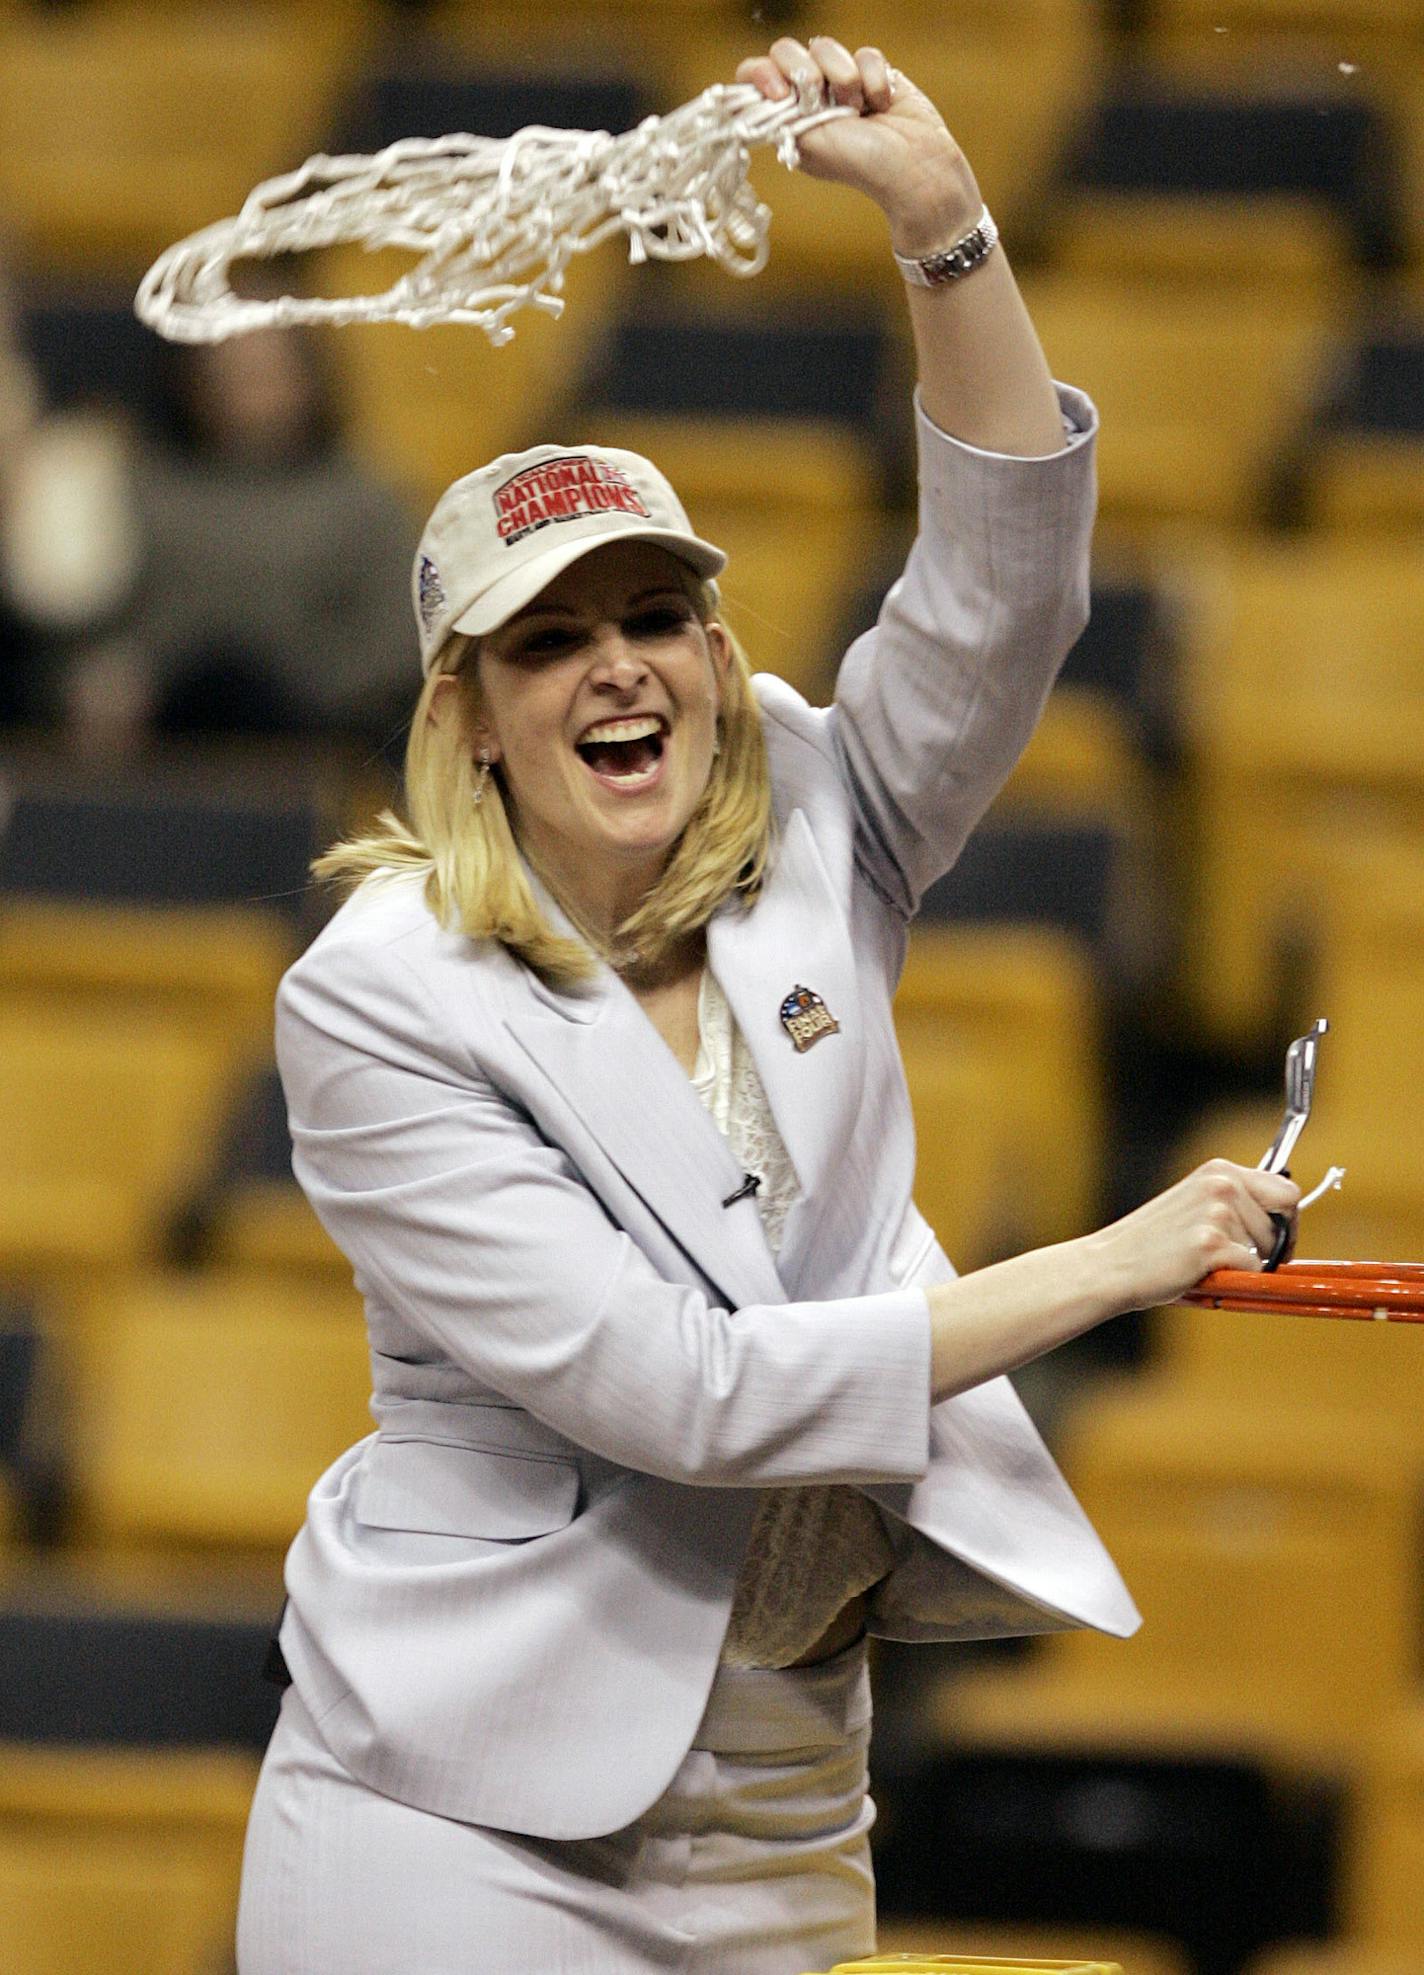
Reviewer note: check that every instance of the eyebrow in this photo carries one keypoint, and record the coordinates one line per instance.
(569, 610)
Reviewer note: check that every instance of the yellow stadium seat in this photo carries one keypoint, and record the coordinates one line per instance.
(102, 1124)
(968, 1177)
(120, 131)
(1301, 684)
(998, 1028)
(1083, 757)
(670, 45)
(119, 1862)
(426, 406)
(1139, 1954)
(1384, 1866)
(1254, 247)
(1345, 49)
(794, 503)
(1275, 1567)
(203, 1407)
(1371, 986)
(210, 971)
(1367, 481)
(1195, 392)
(269, 1225)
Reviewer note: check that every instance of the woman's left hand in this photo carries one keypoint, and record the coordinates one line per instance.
(898, 150)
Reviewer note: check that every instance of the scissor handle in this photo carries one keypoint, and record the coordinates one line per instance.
(1282, 1226)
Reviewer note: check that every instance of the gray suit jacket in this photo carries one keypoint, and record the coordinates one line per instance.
(507, 1605)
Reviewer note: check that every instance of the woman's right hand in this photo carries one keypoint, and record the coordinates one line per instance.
(1218, 1217)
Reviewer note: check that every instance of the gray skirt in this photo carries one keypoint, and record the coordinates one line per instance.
(755, 1861)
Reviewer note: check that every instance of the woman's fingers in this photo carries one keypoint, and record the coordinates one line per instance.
(1240, 1203)
(858, 82)
(876, 79)
(840, 70)
(796, 62)
(764, 74)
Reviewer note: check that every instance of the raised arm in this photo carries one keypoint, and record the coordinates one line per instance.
(935, 705)
(983, 377)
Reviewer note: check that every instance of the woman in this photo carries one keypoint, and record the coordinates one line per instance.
(596, 1084)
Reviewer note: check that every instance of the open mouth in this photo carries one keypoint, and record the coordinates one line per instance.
(625, 754)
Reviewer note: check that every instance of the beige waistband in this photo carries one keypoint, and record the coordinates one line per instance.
(759, 1710)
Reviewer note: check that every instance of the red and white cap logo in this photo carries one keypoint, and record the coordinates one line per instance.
(563, 490)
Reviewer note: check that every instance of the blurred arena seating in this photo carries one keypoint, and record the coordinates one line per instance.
(165, 1375)
(117, 125)
(1275, 1570)
(1247, 162)
(998, 1022)
(119, 1862)
(1386, 1839)
(248, 1211)
(1196, 393)
(1303, 680)
(1217, 211)
(1367, 445)
(1284, 32)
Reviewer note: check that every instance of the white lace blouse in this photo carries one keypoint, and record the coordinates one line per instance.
(811, 1549)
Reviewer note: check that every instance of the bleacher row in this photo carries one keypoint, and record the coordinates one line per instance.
(1218, 213)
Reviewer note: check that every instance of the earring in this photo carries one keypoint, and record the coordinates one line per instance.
(716, 740)
(482, 775)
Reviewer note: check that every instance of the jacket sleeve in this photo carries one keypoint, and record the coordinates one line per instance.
(936, 703)
(496, 1257)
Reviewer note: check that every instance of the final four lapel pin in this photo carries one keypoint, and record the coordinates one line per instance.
(806, 1018)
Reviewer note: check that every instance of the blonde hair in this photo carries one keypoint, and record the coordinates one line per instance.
(475, 881)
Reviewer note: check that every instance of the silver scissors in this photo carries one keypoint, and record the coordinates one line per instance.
(1300, 1088)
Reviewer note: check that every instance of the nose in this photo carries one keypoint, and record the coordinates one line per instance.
(616, 663)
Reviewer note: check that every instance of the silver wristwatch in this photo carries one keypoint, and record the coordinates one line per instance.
(952, 263)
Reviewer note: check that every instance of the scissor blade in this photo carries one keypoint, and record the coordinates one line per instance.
(1300, 1089)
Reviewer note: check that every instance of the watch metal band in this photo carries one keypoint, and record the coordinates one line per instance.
(952, 263)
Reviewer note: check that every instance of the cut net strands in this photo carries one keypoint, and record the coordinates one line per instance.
(494, 221)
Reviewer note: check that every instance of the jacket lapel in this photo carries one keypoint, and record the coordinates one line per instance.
(607, 1063)
(796, 937)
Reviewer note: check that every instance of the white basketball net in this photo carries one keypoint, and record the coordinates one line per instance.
(495, 221)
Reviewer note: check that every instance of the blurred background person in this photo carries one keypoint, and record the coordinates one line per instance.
(224, 567)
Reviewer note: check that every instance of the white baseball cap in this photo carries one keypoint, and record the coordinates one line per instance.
(498, 535)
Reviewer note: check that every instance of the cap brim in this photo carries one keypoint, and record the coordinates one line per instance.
(503, 598)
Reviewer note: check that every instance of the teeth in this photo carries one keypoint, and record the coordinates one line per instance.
(623, 730)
